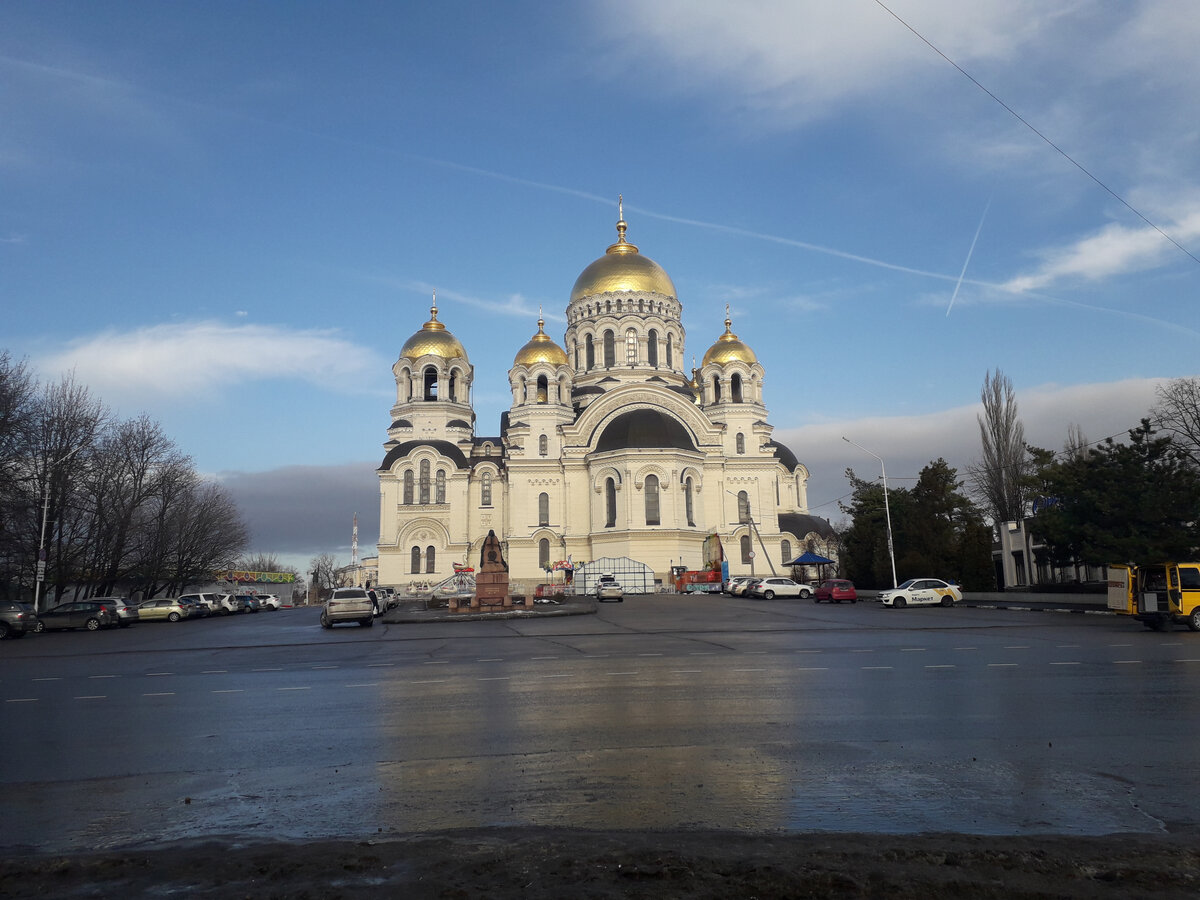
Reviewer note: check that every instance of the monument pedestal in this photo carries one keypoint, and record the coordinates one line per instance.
(491, 580)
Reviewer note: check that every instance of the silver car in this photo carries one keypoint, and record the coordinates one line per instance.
(348, 605)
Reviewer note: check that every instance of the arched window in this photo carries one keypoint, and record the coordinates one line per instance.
(670, 351)
(408, 487)
(652, 348)
(716, 388)
(542, 392)
(485, 489)
(687, 502)
(431, 383)
(740, 442)
(745, 542)
(735, 388)
(743, 507)
(452, 394)
(415, 566)
(424, 482)
(610, 503)
(440, 487)
(544, 553)
(610, 350)
(543, 508)
(430, 564)
(631, 348)
(590, 349)
(785, 549)
(575, 352)
(543, 445)
(652, 514)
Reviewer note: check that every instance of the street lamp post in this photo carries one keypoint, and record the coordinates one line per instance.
(41, 560)
(886, 510)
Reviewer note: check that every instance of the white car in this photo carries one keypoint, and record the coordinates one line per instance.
(348, 605)
(921, 592)
(778, 586)
(608, 588)
(268, 601)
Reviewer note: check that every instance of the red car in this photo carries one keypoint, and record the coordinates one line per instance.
(835, 590)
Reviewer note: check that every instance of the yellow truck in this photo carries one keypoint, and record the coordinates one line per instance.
(1157, 595)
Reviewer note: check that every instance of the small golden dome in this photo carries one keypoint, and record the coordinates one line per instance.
(433, 340)
(623, 269)
(541, 349)
(729, 349)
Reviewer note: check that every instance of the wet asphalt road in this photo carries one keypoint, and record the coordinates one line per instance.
(662, 712)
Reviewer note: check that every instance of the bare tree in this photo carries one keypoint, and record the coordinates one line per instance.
(1076, 446)
(1177, 413)
(263, 562)
(324, 572)
(997, 479)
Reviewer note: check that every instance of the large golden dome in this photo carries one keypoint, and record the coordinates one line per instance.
(623, 269)
(729, 349)
(433, 340)
(541, 349)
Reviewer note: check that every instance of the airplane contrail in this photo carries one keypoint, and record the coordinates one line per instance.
(967, 261)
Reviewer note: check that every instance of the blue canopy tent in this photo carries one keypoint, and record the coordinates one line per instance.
(808, 558)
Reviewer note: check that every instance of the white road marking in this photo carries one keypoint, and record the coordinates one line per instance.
(543, 657)
(912, 649)
(966, 648)
(491, 659)
(1002, 665)
(22, 700)
(622, 673)
(431, 681)
(496, 678)
(157, 674)
(1127, 662)
(50, 678)
(92, 697)
(229, 691)
(305, 688)
(324, 667)
(436, 662)
(365, 684)
(943, 666)
(875, 667)
(566, 675)
(1066, 646)
(1018, 647)
(686, 672)
(649, 654)
(214, 671)
(809, 651)
(266, 670)
(379, 665)
(749, 670)
(104, 676)
(812, 669)
(1065, 664)
(160, 694)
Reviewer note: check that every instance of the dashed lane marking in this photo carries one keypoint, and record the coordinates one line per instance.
(324, 667)
(430, 681)
(875, 667)
(1127, 662)
(160, 694)
(364, 684)
(622, 673)
(23, 700)
(1002, 665)
(229, 691)
(496, 678)
(943, 666)
(215, 672)
(92, 697)
(302, 688)
(1065, 664)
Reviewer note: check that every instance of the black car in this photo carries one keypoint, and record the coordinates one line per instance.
(16, 619)
(87, 614)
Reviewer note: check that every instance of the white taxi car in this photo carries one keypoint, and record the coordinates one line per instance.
(921, 592)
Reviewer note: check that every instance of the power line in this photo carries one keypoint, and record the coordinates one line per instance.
(1020, 119)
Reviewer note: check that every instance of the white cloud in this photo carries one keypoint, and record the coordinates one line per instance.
(803, 57)
(191, 358)
(1112, 250)
(909, 443)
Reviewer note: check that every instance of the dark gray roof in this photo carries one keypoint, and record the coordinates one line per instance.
(784, 455)
(644, 428)
(400, 423)
(458, 423)
(445, 448)
(801, 524)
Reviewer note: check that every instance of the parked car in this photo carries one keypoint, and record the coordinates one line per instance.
(209, 602)
(743, 588)
(835, 590)
(348, 605)
(921, 592)
(268, 601)
(167, 609)
(16, 619)
(779, 586)
(227, 604)
(608, 588)
(90, 614)
(196, 609)
(244, 603)
(730, 586)
(126, 613)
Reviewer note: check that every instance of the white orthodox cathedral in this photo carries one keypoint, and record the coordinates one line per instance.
(611, 449)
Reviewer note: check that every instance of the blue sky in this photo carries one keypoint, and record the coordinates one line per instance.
(232, 215)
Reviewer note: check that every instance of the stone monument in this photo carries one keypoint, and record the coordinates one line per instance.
(491, 579)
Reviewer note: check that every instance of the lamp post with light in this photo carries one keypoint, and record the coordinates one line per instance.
(886, 510)
(41, 560)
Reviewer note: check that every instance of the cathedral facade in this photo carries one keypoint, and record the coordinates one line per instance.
(611, 448)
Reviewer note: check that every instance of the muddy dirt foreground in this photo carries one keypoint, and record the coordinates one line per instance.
(544, 863)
